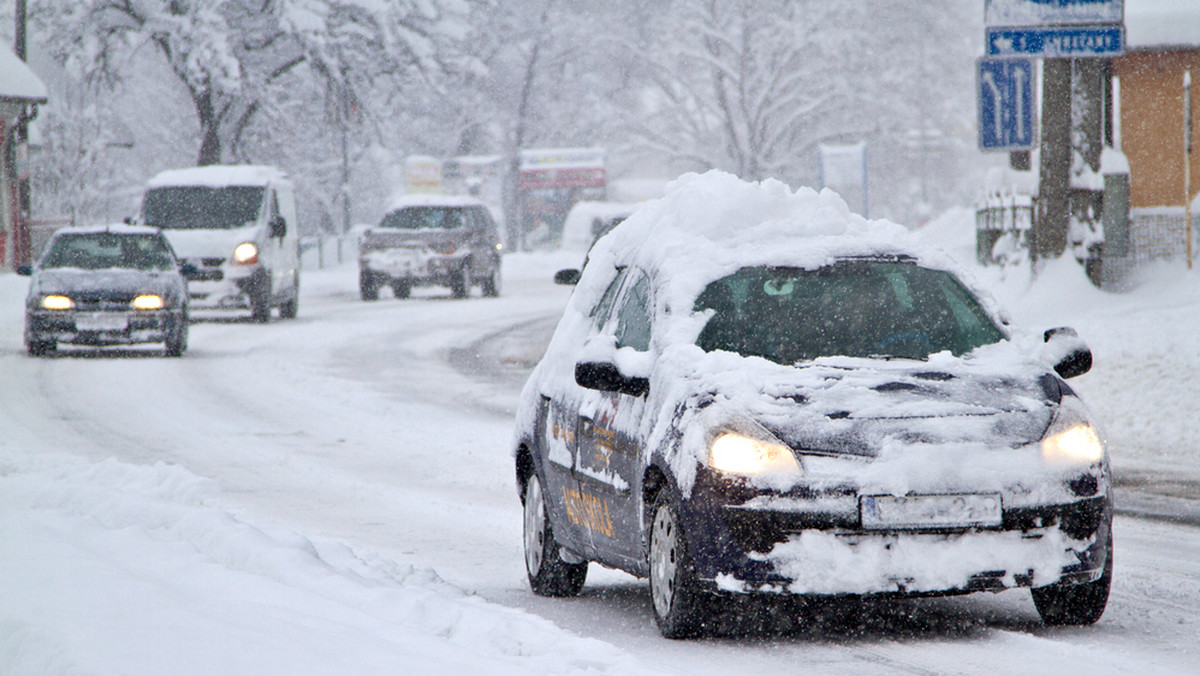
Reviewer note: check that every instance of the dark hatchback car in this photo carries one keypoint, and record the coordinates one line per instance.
(108, 285)
(431, 240)
(820, 409)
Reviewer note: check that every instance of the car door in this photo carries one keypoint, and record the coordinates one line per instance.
(607, 460)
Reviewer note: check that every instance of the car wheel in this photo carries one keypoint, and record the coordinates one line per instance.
(491, 285)
(260, 305)
(1076, 604)
(548, 574)
(679, 607)
(460, 283)
(290, 308)
(401, 288)
(368, 287)
(176, 342)
(40, 348)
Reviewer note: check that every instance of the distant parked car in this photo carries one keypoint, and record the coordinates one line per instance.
(107, 285)
(431, 240)
(753, 391)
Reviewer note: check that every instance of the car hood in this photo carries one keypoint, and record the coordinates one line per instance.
(860, 406)
(116, 280)
(201, 243)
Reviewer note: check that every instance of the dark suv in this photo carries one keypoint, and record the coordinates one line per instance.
(431, 240)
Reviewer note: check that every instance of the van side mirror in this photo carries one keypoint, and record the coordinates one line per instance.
(1067, 351)
(278, 226)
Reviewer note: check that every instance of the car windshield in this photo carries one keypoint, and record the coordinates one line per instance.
(103, 250)
(424, 218)
(202, 208)
(860, 308)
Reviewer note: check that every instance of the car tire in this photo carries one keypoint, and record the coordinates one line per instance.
(460, 283)
(368, 287)
(40, 348)
(491, 285)
(401, 288)
(176, 343)
(291, 307)
(680, 609)
(549, 574)
(1076, 604)
(260, 305)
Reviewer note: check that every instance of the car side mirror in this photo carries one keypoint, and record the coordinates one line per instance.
(1067, 351)
(606, 377)
(278, 226)
(568, 277)
(25, 270)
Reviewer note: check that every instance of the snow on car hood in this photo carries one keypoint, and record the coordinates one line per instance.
(203, 243)
(119, 280)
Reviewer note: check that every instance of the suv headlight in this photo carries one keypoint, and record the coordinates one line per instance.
(1071, 439)
(148, 301)
(56, 302)
(245, 253)
(752, 452)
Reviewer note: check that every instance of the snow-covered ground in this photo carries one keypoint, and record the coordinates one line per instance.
(334, 494)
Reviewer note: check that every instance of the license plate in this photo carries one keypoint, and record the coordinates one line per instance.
(102, 321)
(931, 511)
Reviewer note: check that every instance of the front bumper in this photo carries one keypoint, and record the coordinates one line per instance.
(102, 328)
(812, 542)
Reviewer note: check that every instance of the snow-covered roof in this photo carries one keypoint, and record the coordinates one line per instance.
(117, 228)
(433, 200)
(1162, 23)
(17, 81)
(219, 175)
(710, 225)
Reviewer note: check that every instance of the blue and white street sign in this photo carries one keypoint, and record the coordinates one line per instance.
(1056, 41)
(1006, 105)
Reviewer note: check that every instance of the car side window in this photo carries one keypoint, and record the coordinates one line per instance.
(633, 319)
(604, 307)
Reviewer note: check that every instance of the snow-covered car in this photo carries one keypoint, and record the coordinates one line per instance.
(431, 240)
(106, 285)
(754, 391)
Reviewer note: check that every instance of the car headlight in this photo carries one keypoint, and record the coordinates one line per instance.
(55, 302)
(1071, 439)
(245, 253)
(147, 301)
(737, 453)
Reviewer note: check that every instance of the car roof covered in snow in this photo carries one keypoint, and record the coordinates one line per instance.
(710, 225)
(217, 176)
(114, 228)
(433, 200)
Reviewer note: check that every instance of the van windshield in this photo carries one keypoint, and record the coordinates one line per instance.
(204, 208)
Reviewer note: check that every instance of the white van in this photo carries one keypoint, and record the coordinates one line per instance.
(236, 226)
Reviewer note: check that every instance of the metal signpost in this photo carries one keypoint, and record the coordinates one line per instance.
(1007, 114)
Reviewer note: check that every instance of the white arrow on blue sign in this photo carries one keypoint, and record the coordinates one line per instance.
(1007, 114)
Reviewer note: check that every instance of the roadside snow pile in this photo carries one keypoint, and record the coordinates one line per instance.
(132, 569)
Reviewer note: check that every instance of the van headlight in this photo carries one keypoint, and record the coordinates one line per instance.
(1071, 439)
(245, 253)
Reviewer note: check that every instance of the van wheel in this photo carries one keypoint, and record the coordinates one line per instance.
(679, 607)
(491, 285)
(260, 306)
(460, 284)
(290, 308)
(548, 574)
(368, 288)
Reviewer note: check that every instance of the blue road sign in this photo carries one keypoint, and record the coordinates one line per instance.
(1006, 110)
(1056, 41)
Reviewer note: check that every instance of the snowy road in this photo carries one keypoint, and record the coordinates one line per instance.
(385, 426)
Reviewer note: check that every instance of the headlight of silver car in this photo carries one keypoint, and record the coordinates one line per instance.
(1071, 439)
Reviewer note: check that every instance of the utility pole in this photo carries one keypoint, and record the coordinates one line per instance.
(1187, 160)
(1053, 204)
(23, 246)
